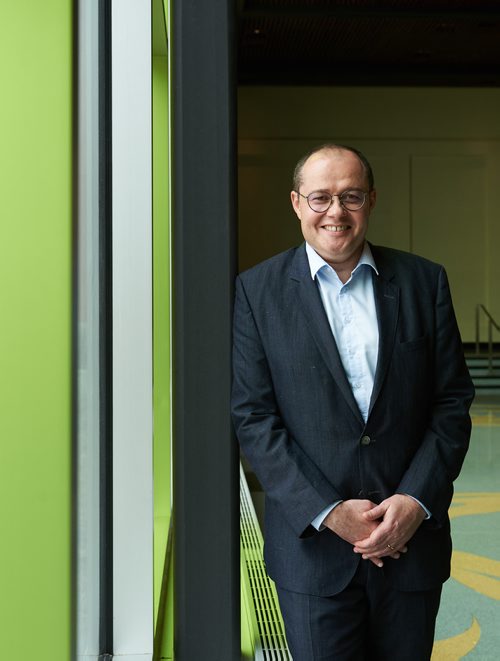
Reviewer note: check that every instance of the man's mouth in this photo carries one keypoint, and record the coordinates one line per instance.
(335, 228)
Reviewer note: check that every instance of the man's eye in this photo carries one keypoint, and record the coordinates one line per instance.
(319, 197)
(351, 197)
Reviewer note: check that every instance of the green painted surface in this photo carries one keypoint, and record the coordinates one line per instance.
(167, 625)
(163, 604)
(249, 626)
(161, 320)
(35, 351)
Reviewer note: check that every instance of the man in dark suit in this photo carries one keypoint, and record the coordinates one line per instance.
(350, 401)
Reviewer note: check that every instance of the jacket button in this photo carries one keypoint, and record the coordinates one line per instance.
(365, 440)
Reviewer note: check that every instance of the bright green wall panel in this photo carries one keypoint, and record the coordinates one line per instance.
(35, 349)
(161, 319)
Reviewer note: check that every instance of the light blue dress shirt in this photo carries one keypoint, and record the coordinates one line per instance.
(352, 316)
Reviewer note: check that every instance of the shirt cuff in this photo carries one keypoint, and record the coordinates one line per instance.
(427, 513)
(317, 522)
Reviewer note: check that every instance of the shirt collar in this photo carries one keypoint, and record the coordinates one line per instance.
(316, 263)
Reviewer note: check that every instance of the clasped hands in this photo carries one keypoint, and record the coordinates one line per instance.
(377, 531)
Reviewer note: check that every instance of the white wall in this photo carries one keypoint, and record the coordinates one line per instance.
(132, 332)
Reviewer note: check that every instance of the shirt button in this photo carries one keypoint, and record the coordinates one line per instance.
(365, 440)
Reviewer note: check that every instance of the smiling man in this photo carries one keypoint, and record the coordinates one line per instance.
(334, 227)
(351, 400)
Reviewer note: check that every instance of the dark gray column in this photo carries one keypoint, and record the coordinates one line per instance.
(106, 334)
(206, 542)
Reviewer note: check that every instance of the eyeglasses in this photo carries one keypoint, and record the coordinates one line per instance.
(320, 201)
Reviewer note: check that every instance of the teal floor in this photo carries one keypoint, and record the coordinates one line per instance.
(468, 625)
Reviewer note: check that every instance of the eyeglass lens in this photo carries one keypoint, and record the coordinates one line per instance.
(350, 199)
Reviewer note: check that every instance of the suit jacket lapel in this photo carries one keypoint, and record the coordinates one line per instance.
(387, 305)
(310, 303)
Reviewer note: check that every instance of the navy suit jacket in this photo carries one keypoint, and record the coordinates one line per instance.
(300, 427)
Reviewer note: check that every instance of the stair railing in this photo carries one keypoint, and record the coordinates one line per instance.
(491, 324)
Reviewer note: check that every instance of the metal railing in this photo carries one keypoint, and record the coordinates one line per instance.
(259, 592)
(491, 324)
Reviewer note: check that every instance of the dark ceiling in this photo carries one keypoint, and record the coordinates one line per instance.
(364, 42)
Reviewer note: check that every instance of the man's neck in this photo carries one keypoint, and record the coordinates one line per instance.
(344, 269)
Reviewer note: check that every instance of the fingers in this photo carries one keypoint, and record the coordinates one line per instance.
(378, 541)
(347, 521)
(395, 550)
(386, 552)
(376, 512)
(383, 541)
(402, 549)
(382, 530)
(396, 525)
(400, 520)
(376, 561)
(380, 549)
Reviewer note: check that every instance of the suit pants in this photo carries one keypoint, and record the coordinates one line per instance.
(367, 621)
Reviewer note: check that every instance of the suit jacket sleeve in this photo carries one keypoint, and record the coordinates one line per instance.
(286, 473)
(439, 458)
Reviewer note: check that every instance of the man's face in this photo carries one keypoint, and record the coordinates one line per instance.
(337, 234)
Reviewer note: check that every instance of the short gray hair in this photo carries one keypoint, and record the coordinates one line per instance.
(330, 146)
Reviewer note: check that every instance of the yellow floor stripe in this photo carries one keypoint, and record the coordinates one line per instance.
(485, 415)
(486, 420)
(477, 572)
(454, 649)
(466, 504)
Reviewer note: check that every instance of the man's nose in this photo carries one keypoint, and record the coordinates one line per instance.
(336, 208)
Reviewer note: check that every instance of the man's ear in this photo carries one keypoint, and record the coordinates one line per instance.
(295, 198)
(372, 198)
